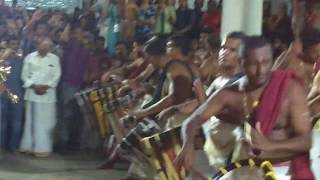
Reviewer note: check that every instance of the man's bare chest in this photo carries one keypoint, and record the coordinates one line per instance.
(245, 109)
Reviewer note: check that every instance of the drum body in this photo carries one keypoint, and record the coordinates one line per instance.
(91, 102)
(161, 150)
(145, 128)
(114, 111)
(248, 169)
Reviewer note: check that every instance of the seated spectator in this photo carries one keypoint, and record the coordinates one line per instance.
(98, 62)
(184, 22)
(212, 18)
(165, 17)
(146, 20)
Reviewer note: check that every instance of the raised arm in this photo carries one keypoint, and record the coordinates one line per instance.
(65, 35)
(282, 61)
(28, 29)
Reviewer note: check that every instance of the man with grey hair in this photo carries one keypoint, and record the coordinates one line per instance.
(229, 71)
(40, 75)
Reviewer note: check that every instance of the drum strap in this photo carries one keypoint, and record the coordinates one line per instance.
(229, 159)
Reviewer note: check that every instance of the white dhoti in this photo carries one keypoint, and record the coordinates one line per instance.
(220, 141)
(38, 129)
(40, 71)
(315, 151)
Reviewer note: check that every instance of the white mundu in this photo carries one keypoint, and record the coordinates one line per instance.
(213, 131)
(40, 109)
(315, 151)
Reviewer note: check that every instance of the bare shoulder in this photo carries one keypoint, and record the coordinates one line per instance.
(296, 99)
(296, 91)
(176, 69)
(177, 65)
(298, 107)
(226, 95)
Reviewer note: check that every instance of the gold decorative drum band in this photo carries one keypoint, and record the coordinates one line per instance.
(162, 149)
(255, 169)
(92, 102)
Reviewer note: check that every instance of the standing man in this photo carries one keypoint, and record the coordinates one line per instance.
(196, 19)
(40, 73)
(184, 22)
(12, 114)
(74, 64)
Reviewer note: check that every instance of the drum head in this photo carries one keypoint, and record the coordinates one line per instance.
(244, 173)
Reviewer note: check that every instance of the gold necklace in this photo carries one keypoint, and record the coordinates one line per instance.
(246, 126)
(246, 110)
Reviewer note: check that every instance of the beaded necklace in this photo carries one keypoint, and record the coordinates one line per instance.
(246, 110)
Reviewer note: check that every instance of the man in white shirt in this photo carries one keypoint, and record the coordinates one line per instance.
(40, 74)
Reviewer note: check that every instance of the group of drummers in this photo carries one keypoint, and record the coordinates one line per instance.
(249, 112)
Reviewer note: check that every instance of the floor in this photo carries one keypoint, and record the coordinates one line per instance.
(73, 166)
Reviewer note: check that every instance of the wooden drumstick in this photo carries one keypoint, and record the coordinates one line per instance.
(247, 131)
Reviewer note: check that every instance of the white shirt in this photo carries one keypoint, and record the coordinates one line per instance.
(39, 70)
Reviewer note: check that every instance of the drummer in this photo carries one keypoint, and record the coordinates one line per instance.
(175, 84)
(278, 134)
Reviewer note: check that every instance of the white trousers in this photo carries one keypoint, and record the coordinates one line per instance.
(38, 128)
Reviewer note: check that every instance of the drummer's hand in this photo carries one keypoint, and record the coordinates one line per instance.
(105, 77)
(128, 121)
(116, 78)
(132, 84)
(258, 140)
(124, 90)
(199, 90)
(165, 114)
(186, 157)
(136, 114)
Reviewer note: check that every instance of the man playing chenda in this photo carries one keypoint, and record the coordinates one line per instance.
(273, 103)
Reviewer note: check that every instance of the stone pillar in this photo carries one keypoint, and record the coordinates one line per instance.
(276, 4)
(252, 18)
(71, 4)
(232, 15)
(242, 15)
